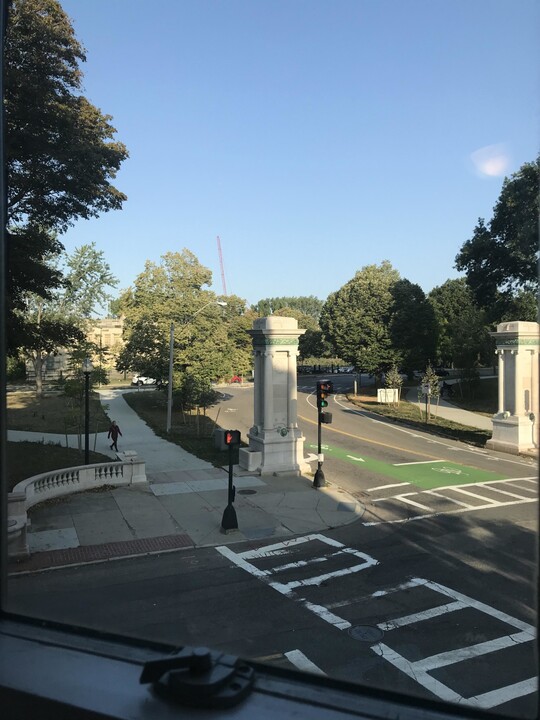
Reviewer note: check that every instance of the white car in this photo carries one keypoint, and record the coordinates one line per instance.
(140, 380)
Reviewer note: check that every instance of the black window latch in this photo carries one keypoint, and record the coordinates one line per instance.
(200, 678)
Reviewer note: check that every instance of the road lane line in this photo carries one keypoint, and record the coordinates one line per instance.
(467, 653)
(424, 615)
(447, 512)
(418, 462)
(502, 492)
(385, 487)
(475, 495)
(430, 683)
(412, 434)
(405, 499)
(447, 497)
(505, 694)
(299, 660)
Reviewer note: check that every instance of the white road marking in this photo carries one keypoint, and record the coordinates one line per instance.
(310, 458)
(385, 487)
(438, 442)
(466, 653)
(503, 695)
(489, 503)
(446, 497)
(356, 458)
(419, 669)
(418, 617)
(503, 492)
(418, 462)
(299, 660)
(476, 495)
(489, 506)
(288, 589)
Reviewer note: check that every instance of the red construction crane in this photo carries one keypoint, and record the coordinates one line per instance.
(221, 266)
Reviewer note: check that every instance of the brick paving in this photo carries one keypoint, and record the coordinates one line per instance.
(95, 553)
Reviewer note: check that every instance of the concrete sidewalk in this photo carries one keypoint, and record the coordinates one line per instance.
(181, 505)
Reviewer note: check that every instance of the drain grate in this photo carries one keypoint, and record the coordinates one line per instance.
(366, 633)
(247, 491)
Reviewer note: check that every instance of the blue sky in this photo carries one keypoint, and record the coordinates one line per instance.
(313, 137)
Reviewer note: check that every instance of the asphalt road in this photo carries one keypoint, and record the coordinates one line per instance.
(430, 593)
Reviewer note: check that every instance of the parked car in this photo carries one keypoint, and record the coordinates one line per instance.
(235, 379)
(140, 380)
(441, 372)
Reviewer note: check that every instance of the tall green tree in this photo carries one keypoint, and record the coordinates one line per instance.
(463, 338)
(413, 326)
(306, 305)
(501, 258)
(61, 155)
(61, 319)
(356, 319)
(209, 341)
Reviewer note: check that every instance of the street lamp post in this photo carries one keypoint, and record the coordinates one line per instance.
(87, 369)
(221, 303)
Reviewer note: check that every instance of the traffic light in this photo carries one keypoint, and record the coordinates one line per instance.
(324, 389)
(232, 437)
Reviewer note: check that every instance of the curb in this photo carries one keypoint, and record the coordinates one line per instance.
(86, 554)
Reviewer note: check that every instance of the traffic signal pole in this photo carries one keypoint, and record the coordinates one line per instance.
(229, 521)
(318, 480)
(324, 389)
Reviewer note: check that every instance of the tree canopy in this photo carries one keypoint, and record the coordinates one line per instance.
(306, 305)
(501, 259)
(60, 151)
(209, 341)
(463, 338)
(356, 318)
(61, 319)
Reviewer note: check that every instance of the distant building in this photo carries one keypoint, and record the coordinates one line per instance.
(105, 333)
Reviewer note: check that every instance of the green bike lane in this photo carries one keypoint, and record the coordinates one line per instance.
(425, 474)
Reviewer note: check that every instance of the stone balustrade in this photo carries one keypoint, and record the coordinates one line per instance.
(130, 470)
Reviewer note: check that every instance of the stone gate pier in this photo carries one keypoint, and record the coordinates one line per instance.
(515, 425)
(276, 444)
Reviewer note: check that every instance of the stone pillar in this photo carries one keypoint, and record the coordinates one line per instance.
(500, 406)
(276, 444)
(515, 426)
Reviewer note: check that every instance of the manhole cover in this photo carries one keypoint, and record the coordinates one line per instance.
(366, 633)
(247, 491)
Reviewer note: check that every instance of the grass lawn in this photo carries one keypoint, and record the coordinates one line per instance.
(26, 459)
(53, 413)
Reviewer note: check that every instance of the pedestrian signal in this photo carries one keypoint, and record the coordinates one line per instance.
(232, 437)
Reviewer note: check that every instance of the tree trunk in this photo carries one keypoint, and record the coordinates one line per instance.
(37, 362)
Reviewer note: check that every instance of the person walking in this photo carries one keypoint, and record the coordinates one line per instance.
(114, 432)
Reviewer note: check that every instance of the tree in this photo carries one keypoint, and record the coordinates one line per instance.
(61, 320)
(501, 258)
(60, 152)
(306, 305)
(413, 327)
(463, 336)
(356, 319)
(174, 292)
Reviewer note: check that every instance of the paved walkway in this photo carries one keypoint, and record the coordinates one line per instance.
(448, 411)
(181, 505)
